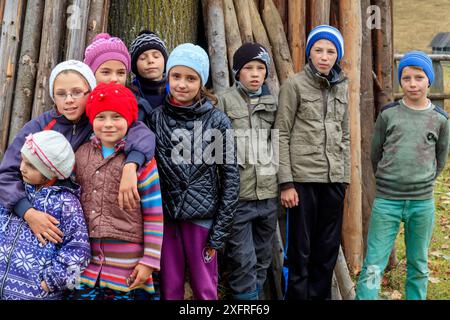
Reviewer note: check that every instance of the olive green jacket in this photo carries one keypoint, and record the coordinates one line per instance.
(256, 157)
(313, 126)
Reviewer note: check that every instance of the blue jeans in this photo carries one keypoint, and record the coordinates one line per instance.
(418, 218)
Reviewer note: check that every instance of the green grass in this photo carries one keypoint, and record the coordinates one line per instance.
(439, 253)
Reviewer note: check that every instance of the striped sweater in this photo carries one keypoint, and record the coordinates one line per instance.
(114, 260)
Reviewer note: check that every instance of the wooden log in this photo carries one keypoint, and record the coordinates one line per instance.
(9, 49)
(232, 34)
(260, 36)
(26, 73)
(217, 48)
(244, 21)
(367, 108)
(49, 54)
(383, 53)
(334, 14)
(346, 285)
(351, 63)
(277, 36)
(77, 24)
(320, 12)
(282, 7)
(297, 32)
(96, 19)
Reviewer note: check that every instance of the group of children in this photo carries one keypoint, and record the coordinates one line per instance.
(114, 194)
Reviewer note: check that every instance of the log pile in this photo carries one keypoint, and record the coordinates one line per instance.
(35, 36)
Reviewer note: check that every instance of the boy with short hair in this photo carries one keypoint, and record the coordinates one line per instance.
(252, 109)
(409, 151)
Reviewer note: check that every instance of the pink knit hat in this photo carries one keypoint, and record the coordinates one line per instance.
(103, 48)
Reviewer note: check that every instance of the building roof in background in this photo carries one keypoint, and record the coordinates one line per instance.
(441, 40)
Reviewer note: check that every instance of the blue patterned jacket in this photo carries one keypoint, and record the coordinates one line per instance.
(24, 263)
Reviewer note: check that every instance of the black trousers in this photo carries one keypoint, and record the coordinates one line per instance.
(314, 239)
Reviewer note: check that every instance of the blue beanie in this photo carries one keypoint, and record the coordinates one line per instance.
(328, 33)
(192, 56)
(417, 59)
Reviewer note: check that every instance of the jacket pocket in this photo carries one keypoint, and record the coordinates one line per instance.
(267, 119)
(311, 107)
(239, 117)
(340, 105)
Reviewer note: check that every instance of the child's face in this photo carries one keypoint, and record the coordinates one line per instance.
(323, 55)
(30, 174)
(150, 65)
(111, 71)
(71, 106)
(184, 84)
(110, 127)
(414, 83)
(252, 75)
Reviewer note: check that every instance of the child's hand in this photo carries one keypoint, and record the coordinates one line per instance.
(139, 275)
(44, 286)
(128, 192)
(289, 198)
(43, 226)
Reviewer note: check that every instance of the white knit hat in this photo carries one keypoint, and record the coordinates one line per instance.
(74, 65)
(50, 153)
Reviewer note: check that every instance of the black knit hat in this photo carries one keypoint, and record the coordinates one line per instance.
(146, 40)
(247, 52)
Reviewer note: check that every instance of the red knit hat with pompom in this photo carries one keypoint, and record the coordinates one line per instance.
(112, 97)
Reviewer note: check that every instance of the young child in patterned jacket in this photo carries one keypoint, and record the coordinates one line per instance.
(29, 270)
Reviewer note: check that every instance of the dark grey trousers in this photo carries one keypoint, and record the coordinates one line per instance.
(249, 249)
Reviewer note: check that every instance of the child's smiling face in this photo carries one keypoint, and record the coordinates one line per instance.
(111, 71)
(71, 90)
(110, 127)
(184, 84)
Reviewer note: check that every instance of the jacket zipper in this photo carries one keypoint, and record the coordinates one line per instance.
(74, 129)
(9, 260)
(325, 110)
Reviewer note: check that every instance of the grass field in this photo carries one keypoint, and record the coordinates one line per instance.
(415, 24)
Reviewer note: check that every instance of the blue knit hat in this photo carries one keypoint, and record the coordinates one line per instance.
(328, 33)
(192, 56)
(417, 59)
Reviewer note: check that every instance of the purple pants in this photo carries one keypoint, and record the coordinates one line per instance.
(184, 246)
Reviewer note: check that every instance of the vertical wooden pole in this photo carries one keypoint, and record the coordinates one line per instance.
(217, 48)
(9, 49)
(297, 32)
(277, 36)
(76, 29)
(243, 16)
(351, 63)
(320, 12)
(368, 114)
(49, 53)
(260, 36)
(26, 73)
(282, 7)
(232, 34)
(95, 18)
(384, 54)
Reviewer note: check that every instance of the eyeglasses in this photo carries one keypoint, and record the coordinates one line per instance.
(74, 95)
